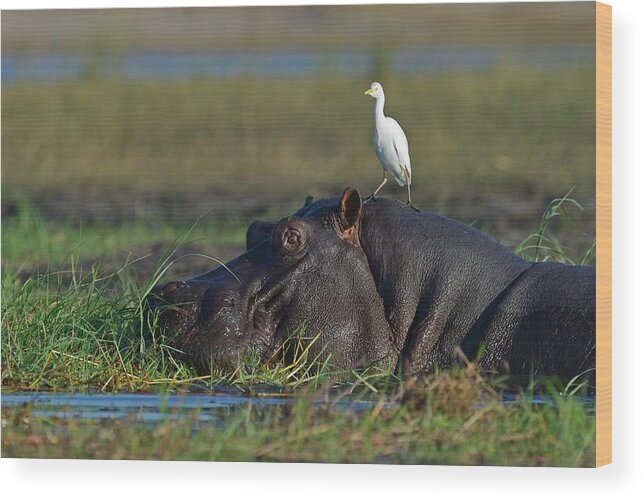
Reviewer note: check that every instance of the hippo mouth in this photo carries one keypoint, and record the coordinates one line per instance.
(218, 325)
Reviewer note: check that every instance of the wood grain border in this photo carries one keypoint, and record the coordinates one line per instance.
(603, 234)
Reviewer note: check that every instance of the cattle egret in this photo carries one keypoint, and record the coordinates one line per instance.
(391, 146)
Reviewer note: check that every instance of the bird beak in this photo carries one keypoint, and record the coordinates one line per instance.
(369, 91)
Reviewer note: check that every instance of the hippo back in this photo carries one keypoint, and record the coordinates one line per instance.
(436, 276)
(548, 314)
(447, 285)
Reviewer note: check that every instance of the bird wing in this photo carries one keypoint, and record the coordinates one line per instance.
(401, 145)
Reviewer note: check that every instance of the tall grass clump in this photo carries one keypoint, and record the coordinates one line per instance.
(543, 245)
(72, 329)
(67, 331)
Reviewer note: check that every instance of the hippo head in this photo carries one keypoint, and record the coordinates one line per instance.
(306, 271)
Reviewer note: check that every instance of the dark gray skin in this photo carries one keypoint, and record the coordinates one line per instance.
(385, 285)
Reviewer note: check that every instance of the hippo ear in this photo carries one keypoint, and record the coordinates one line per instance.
(309, 201)
(350, 208)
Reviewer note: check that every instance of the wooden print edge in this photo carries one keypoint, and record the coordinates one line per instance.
(603, 234)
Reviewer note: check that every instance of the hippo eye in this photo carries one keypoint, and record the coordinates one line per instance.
(291, 239)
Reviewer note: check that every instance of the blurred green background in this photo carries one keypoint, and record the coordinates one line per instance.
(136, 121)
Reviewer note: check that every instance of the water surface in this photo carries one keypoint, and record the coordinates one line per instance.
(168, 65)
(205, 407)
(154, 408)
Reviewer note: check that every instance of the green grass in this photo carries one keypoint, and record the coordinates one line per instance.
(32, 244)
(246, 142)
(77, 337)
(454, 419)
(544, 245)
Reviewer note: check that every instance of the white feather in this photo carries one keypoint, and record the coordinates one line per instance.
(391, 145)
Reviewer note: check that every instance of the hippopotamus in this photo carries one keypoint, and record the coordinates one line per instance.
(377, 284)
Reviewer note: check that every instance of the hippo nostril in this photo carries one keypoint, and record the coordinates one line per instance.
(171, 288)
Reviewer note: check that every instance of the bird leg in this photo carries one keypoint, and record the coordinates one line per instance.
(372, 196)
(408, 202)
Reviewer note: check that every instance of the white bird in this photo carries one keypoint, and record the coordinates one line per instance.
(391, 146)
